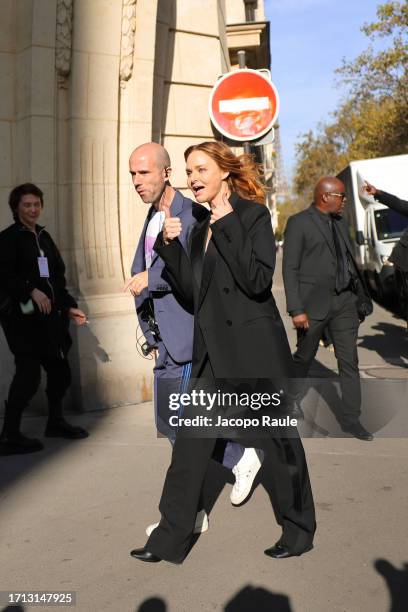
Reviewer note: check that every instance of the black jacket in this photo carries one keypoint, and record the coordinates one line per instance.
(309, 265)
(19, 275)
(236, 320)
(399, 255)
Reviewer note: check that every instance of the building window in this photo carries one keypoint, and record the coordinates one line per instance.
(250, 6)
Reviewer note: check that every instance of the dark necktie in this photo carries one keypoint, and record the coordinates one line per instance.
(342, 273)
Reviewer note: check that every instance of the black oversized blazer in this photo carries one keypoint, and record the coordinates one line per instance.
(236, 321)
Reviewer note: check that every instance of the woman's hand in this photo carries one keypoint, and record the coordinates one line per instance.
(220, 210)
(77, 316)
(172, 227)
(43, 301)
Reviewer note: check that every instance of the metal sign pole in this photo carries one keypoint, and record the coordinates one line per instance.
(242, 64)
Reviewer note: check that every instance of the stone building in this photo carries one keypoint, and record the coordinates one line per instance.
(83, 82)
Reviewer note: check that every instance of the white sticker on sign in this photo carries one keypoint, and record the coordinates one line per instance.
(244, 104)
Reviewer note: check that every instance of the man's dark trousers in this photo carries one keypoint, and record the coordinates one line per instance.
(342, 322)
(312, 266)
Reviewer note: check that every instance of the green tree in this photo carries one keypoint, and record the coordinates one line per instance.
(317, 155)
(286, 209)
(383, 73)
(373, 122)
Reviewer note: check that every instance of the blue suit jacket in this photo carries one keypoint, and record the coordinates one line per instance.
(174, 322)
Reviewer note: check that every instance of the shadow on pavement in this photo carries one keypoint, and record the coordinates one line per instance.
(397, 583)
(392, 304)
(391, 343)
(247, 599)
(13, 609)
(254, 598)
(153, 604)
(320, 398)
(13, 467)
(321, 381)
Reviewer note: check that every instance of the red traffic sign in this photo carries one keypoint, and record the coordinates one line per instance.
(244, 104)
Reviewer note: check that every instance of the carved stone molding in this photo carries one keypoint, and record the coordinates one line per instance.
(127, 44)
(97, 208)
(63, 41)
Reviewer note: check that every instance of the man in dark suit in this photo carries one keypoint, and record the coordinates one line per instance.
(324, 289)
(399, 255)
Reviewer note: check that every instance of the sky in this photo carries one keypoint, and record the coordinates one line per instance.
(309, 39)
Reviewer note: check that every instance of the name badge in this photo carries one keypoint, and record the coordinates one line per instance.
(43, 267)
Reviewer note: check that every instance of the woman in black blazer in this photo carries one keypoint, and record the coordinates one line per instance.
(238, 334)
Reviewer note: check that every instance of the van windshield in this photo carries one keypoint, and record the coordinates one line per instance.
(389, 224)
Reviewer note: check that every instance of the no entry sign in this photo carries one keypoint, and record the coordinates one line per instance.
(244, 104)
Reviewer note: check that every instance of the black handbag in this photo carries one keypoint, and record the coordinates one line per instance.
(364, 303)
(364, 306)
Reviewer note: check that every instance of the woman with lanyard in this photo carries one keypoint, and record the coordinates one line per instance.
(35, 310)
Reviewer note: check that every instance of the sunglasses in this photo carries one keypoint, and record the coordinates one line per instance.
(339, 195)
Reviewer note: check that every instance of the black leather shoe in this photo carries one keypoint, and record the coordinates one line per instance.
(144, 555)
(358, 431)
(62, 429)
(279, 551)
(18, 444)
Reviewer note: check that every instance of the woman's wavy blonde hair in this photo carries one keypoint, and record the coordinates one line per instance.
(244, 174)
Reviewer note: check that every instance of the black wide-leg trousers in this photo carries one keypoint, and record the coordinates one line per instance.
(188, 479)
(185, 481)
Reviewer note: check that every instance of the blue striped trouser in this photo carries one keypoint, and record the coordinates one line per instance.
(169, 377)
(173, 377)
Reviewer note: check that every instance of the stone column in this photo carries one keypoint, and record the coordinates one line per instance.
(108, 368)
(135, 113)
(83, 83)
(191, 56)
(27, 115)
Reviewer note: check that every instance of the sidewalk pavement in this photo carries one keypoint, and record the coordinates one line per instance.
(70, 515)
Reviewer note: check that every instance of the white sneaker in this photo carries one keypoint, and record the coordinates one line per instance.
(201, 524)
(245, 471)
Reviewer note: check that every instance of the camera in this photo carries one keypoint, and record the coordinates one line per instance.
(147, 315)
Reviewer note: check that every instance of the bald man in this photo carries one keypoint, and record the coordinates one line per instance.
(166, 322)
(324, 289)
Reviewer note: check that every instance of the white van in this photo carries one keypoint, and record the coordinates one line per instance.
(374, 228)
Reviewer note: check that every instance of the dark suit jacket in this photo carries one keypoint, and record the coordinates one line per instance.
(399, 255)
(309, 264)
(236, 319)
